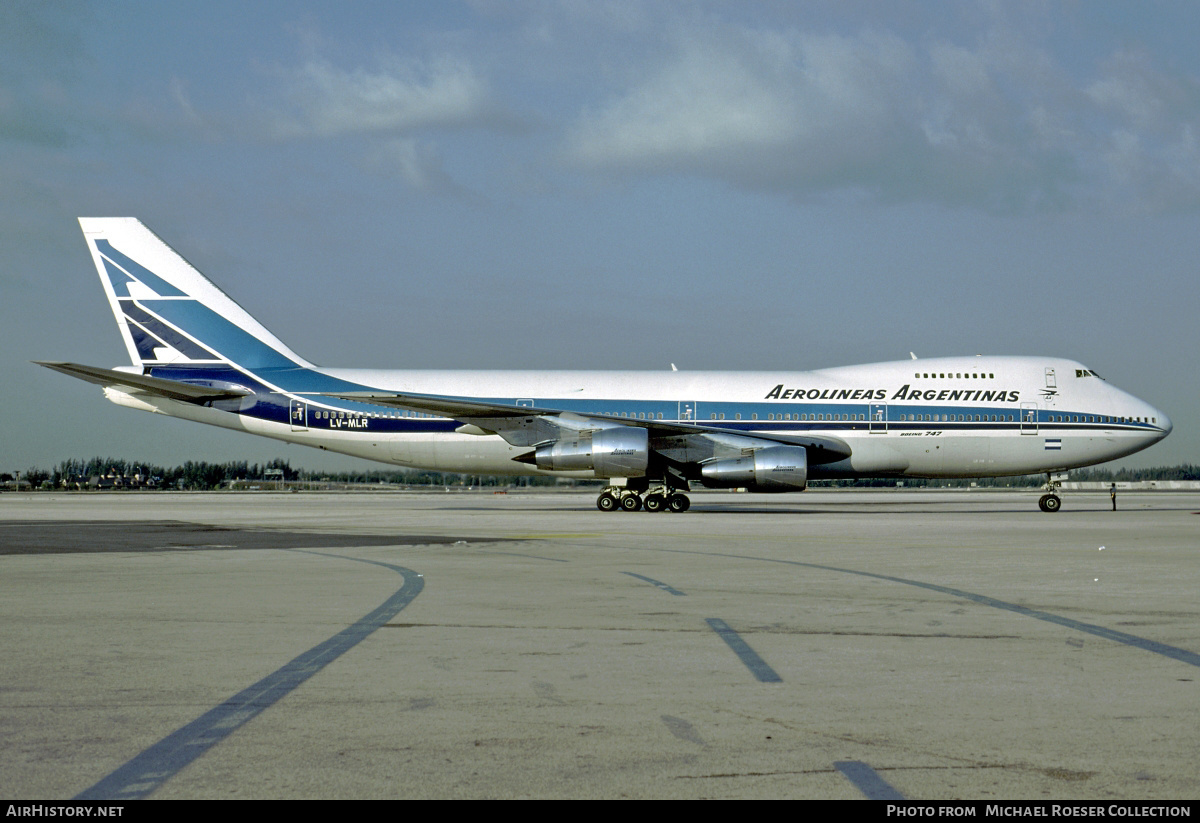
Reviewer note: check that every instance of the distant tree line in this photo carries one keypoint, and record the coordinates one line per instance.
(115, 473)
(112, 472)
(1184, 471)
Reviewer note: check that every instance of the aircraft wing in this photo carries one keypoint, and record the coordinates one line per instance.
(140, 383)
(453, 407)
(533, 425)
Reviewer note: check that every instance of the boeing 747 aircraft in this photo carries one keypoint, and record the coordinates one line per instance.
(198, 355)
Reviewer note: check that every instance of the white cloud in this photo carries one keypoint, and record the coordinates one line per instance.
(721, 101)
(398, 98)
(416, 164)
(702, 104)
(1148, 145)
(998, 125)
(793, 112)
(1135, 92)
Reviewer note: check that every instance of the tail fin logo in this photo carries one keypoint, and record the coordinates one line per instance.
(169, 313)
(157, 343)
(132, 279)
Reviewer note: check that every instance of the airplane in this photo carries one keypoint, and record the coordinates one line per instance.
(197, 355)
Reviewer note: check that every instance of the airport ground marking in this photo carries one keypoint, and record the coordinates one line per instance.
(757, 666)
(166, 758)
(549, 536)
(658, 584)
(1174, 652)
(867, 780)
(528, 556)
(682, 729)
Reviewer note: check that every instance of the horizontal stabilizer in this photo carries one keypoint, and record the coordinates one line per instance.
(171, 389)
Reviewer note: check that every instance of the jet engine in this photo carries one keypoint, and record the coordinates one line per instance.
(773, 469)
(623, 451)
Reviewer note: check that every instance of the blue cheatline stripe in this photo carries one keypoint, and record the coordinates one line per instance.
(867, 780)
(757, 666)
(166, 758)
(657, 583)
(1174, 652)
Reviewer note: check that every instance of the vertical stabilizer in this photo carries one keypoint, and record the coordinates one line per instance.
(167, 311)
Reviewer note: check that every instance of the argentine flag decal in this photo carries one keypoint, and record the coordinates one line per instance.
(1053, 445)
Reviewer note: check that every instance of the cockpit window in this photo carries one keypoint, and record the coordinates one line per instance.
(1086, 373)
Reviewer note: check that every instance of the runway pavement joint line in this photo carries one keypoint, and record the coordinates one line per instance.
(166, 758)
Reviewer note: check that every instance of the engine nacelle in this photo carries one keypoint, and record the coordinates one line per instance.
(773, 469)
(616, 452)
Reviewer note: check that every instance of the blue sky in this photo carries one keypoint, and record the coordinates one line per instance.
(545, 184)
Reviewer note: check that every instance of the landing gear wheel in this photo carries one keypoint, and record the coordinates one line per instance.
(631, 502)
(655, 503)
(679, 503)
(1050, 503)
(606, 502)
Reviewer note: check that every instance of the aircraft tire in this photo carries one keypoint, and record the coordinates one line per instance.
(607, 503)
(678, 503)
(631, 502)
(1050, 503)
(655, 503)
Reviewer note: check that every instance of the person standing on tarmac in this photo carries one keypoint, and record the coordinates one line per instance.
(1112, 492)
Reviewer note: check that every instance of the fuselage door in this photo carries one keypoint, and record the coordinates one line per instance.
(688, 411)
(1029, 418)
(299, 416)
(878, 418)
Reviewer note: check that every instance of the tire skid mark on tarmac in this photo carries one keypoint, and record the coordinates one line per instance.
(751, 659)
(867, 780)
(159, 763)
(761, 670)
(658, 584)
(1174, 652)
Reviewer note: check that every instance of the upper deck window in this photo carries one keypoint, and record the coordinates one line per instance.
(967, 375)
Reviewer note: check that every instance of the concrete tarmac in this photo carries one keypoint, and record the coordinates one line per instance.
(834, 644)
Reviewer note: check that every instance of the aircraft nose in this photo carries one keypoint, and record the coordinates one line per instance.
(1164, 423)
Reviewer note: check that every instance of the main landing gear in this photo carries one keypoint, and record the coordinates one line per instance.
(1051, 502)
(617, 498)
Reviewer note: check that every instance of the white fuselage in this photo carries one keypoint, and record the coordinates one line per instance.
(944, 417)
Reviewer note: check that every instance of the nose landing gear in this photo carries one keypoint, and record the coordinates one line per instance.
(1050, 501)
